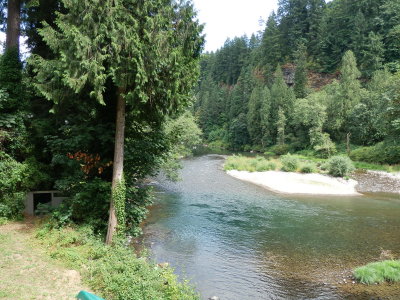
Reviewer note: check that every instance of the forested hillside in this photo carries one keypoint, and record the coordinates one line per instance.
(320, 76)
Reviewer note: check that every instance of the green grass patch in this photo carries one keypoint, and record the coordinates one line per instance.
(377, 272)
(251, 164)
(113, 272)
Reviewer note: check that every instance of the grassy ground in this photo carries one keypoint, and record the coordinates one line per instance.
(27, 272)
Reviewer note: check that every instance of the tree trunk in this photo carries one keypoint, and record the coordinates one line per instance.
(13, 24)
(348, 143)
(118, 164)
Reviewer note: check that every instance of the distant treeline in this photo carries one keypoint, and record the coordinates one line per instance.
(318, 75)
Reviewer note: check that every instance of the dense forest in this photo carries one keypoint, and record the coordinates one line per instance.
(319, 77)
(97, 106)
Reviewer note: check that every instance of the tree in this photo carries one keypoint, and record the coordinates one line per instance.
(270, 45)
(300, 76)
(265, 118)
(254, 114)
(141, 57)
(280, 125)
(282, 98)
(372, 54)
(13, 24)
(344, 96)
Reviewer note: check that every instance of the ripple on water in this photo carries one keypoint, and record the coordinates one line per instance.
(239, 241)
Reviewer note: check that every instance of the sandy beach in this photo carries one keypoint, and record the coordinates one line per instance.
(296, 183)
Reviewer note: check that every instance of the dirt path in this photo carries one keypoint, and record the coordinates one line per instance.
(26, 272)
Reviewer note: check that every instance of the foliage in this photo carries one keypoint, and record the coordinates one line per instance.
(183, 135)
(382, 153)
(118, 196)
(309, 167)
(340, 166)
(290, 163)
(280, 149)
(114, 272)
(378, 272)
(146, 55)
(15, 180)
(242, 163)
(338, 58)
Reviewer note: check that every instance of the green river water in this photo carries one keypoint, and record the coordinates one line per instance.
(236, 240)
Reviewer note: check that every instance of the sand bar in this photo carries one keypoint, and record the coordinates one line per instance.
(296, 183)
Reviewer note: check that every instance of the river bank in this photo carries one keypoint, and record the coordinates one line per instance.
(319, 184)
(236, 240)
(296, 183)
(27, 272)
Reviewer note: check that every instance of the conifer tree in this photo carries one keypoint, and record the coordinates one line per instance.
(266, 118)
(300, 77)
(282, 98)
(254, 115)
(280, 125)
(372, 54)
(140, 55)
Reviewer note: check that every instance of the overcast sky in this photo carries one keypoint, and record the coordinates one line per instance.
(230, 18)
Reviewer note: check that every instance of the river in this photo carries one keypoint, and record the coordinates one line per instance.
(236, 240)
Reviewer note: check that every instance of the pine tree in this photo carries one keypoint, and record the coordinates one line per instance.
(141, 55)
(373, 54)
(282, 97)
(270, 45)
(265, 118)
(254, 115)
(300, 77)
(280, 125)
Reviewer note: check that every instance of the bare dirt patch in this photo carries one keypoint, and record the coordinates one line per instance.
(27, 272)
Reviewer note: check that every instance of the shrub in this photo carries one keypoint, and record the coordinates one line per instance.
(387, 270)
(113, 272)
(340, 166)
(290, 163)
(308, 168)
(269, 153)
(241, 163)
(263, 165)
(280, 149)
(382, 153)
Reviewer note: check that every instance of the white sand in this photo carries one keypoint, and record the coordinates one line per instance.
(296, 183)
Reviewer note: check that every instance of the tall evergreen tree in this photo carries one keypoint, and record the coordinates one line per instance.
(282, 96)
(142, 55)
(300, 77)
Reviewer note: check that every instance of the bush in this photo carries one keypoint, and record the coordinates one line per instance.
(242, 163)
(340, 166)
(290, 163)
(388, 270)
(113, 272)
(280, 149)
(382, 153)
(308, 168)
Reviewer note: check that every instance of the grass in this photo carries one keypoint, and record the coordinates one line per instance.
(113, 272)
(261, 164)
(257, 164)
(376, 167)
(377, 272)
(27, 272)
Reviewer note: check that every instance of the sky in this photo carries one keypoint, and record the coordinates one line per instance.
(230, 18)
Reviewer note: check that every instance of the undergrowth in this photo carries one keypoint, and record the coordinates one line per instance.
(113, 272)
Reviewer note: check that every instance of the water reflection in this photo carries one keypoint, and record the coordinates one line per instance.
(239, 241)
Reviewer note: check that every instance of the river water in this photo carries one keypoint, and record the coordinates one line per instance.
(236, 240)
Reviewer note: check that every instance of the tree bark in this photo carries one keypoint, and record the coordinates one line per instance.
(13, 24)
(118, 164)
